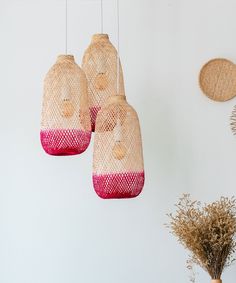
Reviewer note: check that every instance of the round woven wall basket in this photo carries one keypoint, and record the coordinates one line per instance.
(100, 66)
(118, 170)
(218, 79)
(65, 125)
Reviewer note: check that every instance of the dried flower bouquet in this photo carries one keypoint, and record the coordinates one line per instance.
(208, 231)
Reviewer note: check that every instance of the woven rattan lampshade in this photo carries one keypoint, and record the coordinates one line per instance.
(100, 67)
(118, 170)
(65, 125)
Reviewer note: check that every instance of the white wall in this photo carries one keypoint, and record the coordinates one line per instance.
(53, 227)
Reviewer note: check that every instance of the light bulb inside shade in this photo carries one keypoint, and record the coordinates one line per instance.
(67, 108)
(101, 81)
(119, 150)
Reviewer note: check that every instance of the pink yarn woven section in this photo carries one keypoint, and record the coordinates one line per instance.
(118, 185)
(64, 142)
(93, 116)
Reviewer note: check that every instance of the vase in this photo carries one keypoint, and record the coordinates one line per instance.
(216, 281)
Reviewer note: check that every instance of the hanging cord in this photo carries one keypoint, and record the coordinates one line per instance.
(118, 47)
(101, 16)
(66, 26)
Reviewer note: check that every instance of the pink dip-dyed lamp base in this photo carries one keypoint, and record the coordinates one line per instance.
(118, 185)
(64, 141)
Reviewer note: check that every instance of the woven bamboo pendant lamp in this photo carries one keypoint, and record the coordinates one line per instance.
(65, 124)
(118, 169)
(218, 79)
(100, 66)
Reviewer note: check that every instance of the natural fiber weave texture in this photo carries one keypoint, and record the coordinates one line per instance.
(218, 79)
(100, 67)
(118, 170)
(233, 121)
(65, 125)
